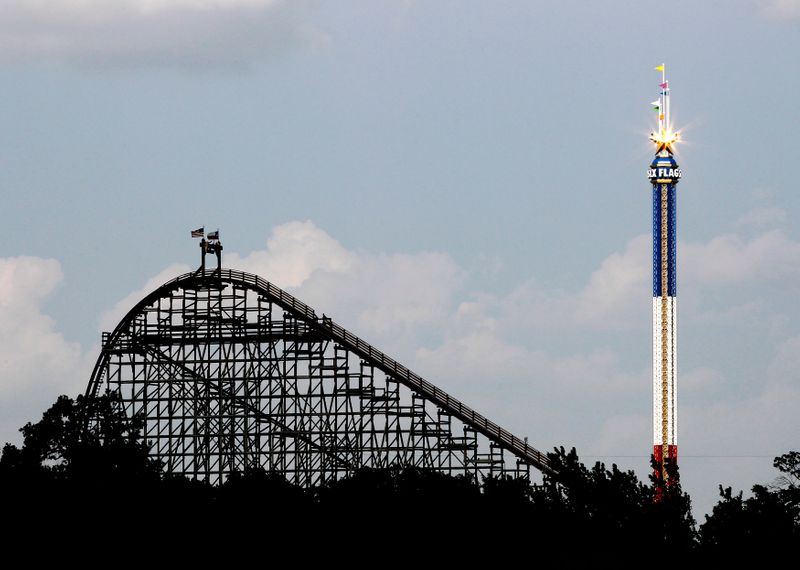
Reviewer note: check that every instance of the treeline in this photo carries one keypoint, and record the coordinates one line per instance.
(67, 480)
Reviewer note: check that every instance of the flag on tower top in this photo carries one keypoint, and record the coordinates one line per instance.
(664, 85)
(198, 232)
(213, 235)
(660, 67)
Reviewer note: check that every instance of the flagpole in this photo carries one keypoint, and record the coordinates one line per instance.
(665, 99)
(667, 117)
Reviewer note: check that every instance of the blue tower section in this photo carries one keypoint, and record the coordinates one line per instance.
(672, 281)
(665, 171)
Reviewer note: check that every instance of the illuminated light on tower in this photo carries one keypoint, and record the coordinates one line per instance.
(664, 175)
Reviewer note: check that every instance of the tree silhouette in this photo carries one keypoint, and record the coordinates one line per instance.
(609, 510)
(89, 439)
(787, 486)
(84, 461)
(768, 521)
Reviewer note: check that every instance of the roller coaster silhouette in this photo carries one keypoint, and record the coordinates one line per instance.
(229, 372)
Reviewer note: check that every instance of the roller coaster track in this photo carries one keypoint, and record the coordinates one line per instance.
(329, 329)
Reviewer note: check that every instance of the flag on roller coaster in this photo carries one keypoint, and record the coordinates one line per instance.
(198, 232)
(213, 235)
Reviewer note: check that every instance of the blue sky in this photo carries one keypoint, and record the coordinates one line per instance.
(462, 183)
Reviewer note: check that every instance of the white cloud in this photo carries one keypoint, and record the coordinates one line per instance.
(383, 297)
(728, 259)
(295, 251)
(150, 6)
(731, 259)
(36, 362)
(84, 7)
(575, 343)
(615, 297)
(781, 9)
(621, 277)
(480, 357)
(109, 319)
(194, 33)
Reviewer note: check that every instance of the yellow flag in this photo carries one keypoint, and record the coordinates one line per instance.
(660, 67)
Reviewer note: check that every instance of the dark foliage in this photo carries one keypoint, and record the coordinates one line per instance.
(768, 522)
(609, 511)
(84, 469)
(87, 441)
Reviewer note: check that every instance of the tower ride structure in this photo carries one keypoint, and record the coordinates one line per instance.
(664, 175)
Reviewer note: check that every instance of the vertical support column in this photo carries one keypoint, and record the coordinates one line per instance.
(665, 369)
(664, 322)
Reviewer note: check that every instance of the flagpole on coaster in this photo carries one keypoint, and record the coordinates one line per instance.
(209, 243)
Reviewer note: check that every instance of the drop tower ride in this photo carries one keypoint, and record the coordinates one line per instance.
(664, 175)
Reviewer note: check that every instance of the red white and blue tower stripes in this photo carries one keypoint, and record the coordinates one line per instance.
(664, 175)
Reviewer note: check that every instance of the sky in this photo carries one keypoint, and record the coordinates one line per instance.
(463, 184)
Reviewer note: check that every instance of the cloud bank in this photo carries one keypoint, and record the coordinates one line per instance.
(36, 362)
(381, 296)
(781, 9)
(154, 33)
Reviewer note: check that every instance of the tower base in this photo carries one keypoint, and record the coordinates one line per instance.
(659, 471)
(658, 453)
